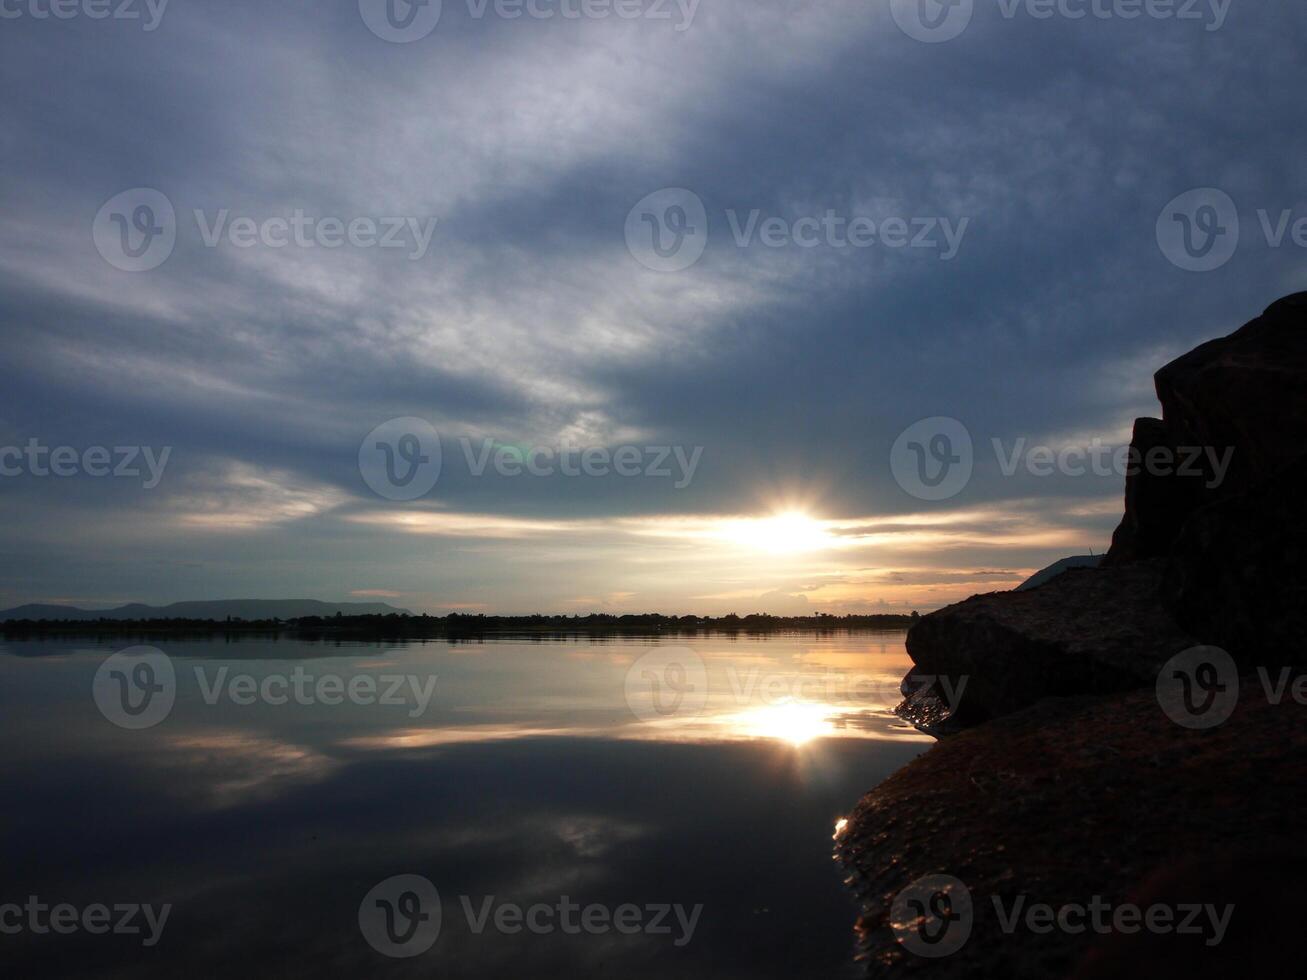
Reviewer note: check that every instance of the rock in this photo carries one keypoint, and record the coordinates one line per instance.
(1085, 631)
(1062, 779)
(1156, 505)
(1247, 391)
(1202, 555)
(1242, 395)
(1238, 576)
(1091, 796)
(1255, 878)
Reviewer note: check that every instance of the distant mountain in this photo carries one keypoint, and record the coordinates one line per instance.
(1057, 568)
(208, 609)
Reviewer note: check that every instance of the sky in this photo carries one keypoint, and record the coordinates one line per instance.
(704, 308)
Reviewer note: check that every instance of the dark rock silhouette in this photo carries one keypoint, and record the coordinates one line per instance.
(1082, 797)
(1238, 574)
(1246, 393)
(1212, 548)
(1062, 778)
(1087, 631)
(1155, 506)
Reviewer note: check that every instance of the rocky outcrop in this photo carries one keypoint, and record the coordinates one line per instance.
(1212, 548)
(1085, 631)
(1238, 573)
(1246, 391)
(1244, 395)
(1092, 796)
(1156, 506)
(1063, 779)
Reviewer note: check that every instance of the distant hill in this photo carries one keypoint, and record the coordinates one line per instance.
(218, 609)
(1057, 568)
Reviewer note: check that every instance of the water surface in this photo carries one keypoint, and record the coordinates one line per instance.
(603, 771)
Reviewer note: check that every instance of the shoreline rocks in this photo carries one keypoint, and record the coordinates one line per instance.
(1061, 776)
(1074, 798)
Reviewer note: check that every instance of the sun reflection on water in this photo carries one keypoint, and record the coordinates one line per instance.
(796, 722)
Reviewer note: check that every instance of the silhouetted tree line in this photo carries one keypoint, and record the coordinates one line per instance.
(457, 625)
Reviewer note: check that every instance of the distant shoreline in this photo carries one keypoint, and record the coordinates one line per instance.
(458, 626)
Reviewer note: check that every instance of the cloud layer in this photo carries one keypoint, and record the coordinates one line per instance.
(529, 322)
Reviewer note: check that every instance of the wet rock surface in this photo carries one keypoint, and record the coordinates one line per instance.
(1095, 796)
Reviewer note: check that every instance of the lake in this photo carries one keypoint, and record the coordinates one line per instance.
(624, 808)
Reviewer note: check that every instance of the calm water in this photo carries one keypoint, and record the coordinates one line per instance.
(704, 774)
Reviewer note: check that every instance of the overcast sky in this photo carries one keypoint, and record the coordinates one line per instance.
(1029, 292)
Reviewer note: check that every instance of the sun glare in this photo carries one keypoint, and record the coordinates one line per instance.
(796, 722)
(786, 533)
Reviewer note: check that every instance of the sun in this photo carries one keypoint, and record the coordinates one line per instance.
(790, 532)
